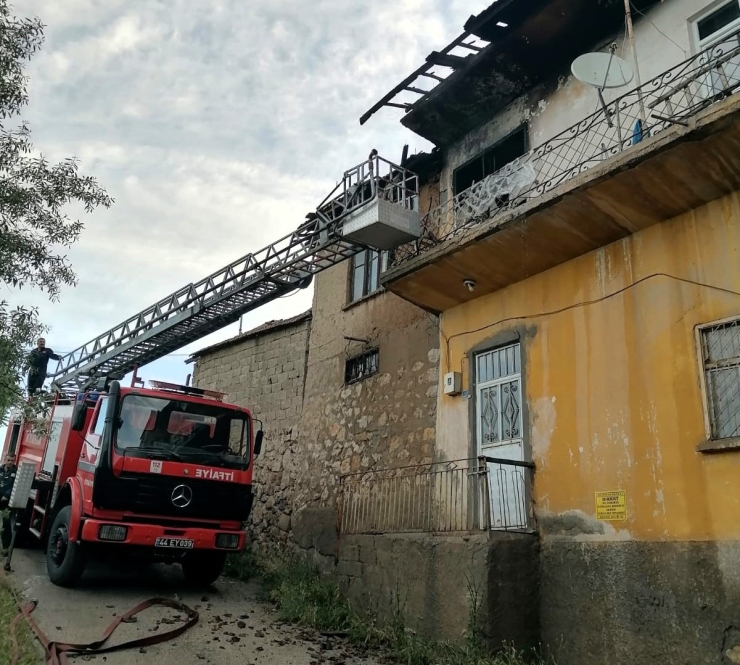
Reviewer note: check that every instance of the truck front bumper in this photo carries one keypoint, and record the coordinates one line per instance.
(147, 535)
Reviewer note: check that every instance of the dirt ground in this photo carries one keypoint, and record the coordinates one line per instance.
(235, 626)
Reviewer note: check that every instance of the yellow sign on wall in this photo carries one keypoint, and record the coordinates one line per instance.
(611, 505)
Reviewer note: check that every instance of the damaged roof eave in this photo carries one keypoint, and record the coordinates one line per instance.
(539, 40)
(471, 25)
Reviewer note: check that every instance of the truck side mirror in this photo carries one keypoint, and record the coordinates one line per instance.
(78, 417)
(258, 442)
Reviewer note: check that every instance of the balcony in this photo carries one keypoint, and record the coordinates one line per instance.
(602, 179)
(481, 494)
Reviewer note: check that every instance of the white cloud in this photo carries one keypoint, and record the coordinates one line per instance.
(216, 126)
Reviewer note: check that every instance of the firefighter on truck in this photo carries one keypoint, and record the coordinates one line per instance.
(158, 474)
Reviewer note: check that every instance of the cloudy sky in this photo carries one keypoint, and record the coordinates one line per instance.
(216, 125)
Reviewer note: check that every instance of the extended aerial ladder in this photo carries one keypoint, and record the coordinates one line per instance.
(374, 205)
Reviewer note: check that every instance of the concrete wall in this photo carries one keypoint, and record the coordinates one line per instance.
(614, 402)
(551, 108)
(641, 602)
(437, 581)
(265, 372)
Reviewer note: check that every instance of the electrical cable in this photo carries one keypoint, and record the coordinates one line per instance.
(577, 305)
(647, 18)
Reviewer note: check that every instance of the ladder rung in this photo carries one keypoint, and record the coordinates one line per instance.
(35, 532)
(40, 509)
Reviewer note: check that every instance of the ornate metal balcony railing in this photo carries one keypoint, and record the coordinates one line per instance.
(461, 495)
(667, 100)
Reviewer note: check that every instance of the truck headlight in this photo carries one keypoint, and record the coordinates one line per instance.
(112, 532)
(227, 541)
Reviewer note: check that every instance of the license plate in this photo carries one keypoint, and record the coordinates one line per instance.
(177, 543)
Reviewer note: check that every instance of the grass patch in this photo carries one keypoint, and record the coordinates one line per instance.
(8, 611)
(302, 596)
(242, 566)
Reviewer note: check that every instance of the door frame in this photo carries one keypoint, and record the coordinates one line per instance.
(518, 334)
(504, 338)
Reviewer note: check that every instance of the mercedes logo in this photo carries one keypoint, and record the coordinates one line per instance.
(182, 495)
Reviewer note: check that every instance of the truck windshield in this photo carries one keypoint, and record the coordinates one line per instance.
(183, 431)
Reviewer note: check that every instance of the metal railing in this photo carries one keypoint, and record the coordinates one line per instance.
(667, 100)
(461, 495)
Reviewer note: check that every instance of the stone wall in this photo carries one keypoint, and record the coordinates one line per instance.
(264, 370)
(383, 421)
(292, 374)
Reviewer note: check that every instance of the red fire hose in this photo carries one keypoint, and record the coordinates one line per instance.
(56, 652)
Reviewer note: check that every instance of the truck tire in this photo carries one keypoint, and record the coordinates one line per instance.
(65, 560)
(202, 569)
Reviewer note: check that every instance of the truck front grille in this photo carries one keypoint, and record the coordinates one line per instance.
(153, 495)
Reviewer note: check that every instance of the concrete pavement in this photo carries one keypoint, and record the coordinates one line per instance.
(235, 625)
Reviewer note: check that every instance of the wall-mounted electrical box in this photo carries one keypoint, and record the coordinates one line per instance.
(452, 383)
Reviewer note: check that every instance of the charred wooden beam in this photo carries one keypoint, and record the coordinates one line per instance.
(446, 60)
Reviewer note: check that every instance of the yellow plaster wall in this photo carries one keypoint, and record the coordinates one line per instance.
(613, 387)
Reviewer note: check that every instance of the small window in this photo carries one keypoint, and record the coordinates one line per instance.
(494, 159)
(361, 367)
(100, 422)
(720, 346)
(15, 433)
(365, 274)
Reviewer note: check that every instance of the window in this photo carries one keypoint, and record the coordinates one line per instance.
(720, 348)
(15, 433)
(492, 160)
(183, 431)
(362, 366)
(718, 20)
(100, 422)
(365, 272)
(717, 30)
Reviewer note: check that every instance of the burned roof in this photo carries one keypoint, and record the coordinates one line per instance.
(503, 52)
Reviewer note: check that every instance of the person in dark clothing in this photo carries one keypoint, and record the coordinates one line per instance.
(38, 361)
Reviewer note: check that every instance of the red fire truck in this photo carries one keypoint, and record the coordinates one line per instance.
(161, 474)
(166, 473)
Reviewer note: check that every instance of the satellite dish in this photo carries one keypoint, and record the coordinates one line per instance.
(602, 70)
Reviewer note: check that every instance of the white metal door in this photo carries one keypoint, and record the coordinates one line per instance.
(499, 416)
(50, 456)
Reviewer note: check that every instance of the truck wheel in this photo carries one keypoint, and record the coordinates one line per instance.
(65, 560)
(203, 568)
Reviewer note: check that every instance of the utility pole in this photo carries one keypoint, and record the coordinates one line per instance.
(631, 34)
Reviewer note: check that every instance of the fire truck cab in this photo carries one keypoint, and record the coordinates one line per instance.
(160, 474)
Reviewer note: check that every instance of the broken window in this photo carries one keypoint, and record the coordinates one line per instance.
(491, 160)
(720, 346)
(365, 273)
(362, 366)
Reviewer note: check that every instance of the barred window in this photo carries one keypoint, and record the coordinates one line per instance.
(721, 358)
(361, 367)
